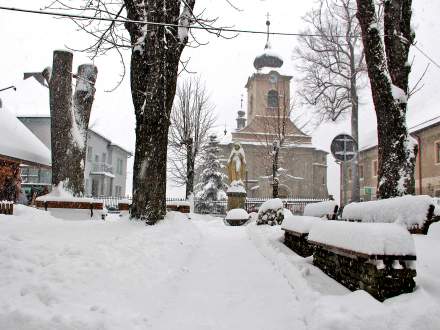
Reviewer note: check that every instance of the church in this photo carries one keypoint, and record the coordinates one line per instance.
(302, 169)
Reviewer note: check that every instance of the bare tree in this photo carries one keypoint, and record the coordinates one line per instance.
(388, 70)
(191, 119)
(158, 31)
(332, 63)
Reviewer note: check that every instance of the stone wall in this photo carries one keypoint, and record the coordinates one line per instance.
(298, 243)
(360, 273)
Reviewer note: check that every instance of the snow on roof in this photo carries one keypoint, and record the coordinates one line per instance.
(371, 137)
(18, 142)
(409, 211)
(368, 238)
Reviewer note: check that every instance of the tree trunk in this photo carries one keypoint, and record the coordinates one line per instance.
(190, 159)
(154, 67)
(388, 79)
(82, 106)
(60, 93)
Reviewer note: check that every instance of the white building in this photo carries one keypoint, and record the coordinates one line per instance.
(105, 172)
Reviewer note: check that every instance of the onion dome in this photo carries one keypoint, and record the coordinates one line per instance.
(268, 59)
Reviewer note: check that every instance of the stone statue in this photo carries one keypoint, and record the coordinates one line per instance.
(237, 164)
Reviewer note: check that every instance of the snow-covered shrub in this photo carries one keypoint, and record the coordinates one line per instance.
(271, 212)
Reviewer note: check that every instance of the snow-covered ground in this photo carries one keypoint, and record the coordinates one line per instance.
(186, 274)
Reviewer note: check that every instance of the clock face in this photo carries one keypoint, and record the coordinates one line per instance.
(273, 78)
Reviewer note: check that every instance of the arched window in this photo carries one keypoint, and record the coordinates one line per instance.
(272, 99)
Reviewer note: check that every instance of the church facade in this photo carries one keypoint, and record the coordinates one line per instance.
(302, 170)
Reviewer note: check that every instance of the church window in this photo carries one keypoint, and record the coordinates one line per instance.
(272, 99)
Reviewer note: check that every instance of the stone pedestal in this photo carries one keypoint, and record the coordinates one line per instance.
(237, 214)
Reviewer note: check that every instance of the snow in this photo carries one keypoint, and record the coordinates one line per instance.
(434, 231)
(399, 94)
(59, 194)
(184, 23)
(236, 187)
(299, 224)
(18, 142)
(320, 209)
(368, 238)
(326, 304)
(408, 210)
(271, 204)
(181, 274)
(121, 274)
(237, 214)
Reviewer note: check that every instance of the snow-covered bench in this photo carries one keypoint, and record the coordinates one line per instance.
(328, 209)
(6, 207)
(416, 213)
(296, 230)
(62, 204)
(376, 257)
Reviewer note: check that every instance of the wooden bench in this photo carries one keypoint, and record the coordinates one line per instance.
(6, 207)
(296, 231)
(382, 275)
(73, 205)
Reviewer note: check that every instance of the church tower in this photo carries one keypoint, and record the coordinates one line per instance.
(302, 168)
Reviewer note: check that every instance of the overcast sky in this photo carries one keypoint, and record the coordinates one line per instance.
(27, 43)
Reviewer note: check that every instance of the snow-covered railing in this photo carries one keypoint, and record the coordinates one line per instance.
(296, 230)
(6, 207)
(416, 213)
(376, 257)
(328, 209)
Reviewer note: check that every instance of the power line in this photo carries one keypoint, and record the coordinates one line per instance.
(197, 27)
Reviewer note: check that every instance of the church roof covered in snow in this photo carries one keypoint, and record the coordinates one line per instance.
(18, 143)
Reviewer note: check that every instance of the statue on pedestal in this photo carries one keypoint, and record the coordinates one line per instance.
(237, 174)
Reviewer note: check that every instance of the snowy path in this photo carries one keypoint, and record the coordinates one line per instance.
(228, 284)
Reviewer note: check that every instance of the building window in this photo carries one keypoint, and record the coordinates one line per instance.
(437, 152)
(272, 99)
(104, 157)
(110, 157)
(361, 172)
(119, 166)
(89, 154)
(118, 191)
(96, 159)
(350, 173)
(251, 103)
(374, 168)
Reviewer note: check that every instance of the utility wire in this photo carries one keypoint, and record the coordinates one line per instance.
(197, 27)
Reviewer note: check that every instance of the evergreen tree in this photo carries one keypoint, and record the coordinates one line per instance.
(211, 186)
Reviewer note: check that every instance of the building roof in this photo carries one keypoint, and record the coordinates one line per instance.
(18, 143)
(427, 124)
(111, 144)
